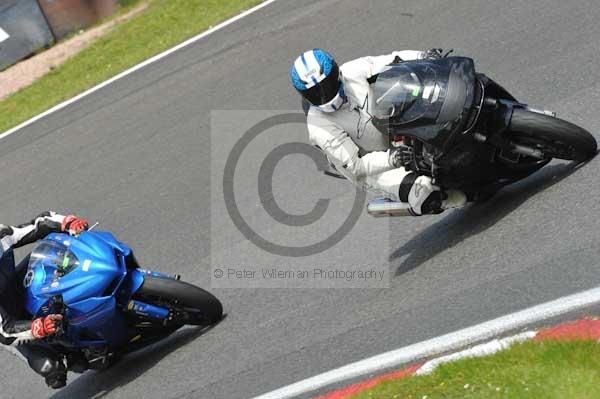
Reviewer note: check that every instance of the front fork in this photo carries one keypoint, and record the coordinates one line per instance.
(498, 125)
(144, 310)
(159, 274)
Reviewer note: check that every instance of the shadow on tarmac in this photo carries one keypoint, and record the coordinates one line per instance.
(476, 218)
(98, 384)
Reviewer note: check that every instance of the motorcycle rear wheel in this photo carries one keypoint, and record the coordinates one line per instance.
(200, 306)
(555, 137)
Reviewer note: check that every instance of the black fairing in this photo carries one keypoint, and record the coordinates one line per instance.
(441, 95)
(494, 90)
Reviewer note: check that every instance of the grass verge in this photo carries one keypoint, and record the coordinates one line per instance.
(162, 25)
(548, 370)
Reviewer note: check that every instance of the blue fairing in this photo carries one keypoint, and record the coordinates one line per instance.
(90, 274)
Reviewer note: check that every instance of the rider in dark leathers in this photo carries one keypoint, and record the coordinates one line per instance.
(16, 329)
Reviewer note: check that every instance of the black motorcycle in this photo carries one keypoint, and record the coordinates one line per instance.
(466, 131)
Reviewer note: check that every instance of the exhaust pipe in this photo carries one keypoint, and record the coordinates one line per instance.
(383, 207)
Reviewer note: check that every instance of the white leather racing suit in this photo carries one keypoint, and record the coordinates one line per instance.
(354, 146)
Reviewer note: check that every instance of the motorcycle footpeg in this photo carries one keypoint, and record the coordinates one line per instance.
(98, 359)
(99, 363)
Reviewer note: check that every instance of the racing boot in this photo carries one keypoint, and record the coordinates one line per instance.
(56, 380)
(46, 363)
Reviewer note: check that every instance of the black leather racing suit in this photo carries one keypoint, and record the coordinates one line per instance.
(15, 325)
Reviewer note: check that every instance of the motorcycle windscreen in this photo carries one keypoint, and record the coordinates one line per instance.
(426, 99)
(54, 255)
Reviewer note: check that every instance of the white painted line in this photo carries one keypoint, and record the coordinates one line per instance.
(488, 348)
(137, 67)
(435, 346)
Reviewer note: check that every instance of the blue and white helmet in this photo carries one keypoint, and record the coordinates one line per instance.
(316, 76)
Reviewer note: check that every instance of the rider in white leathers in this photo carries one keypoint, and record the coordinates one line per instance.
(339, 123)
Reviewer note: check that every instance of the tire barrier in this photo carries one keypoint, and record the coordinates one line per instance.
(27, 26)
(24, 30)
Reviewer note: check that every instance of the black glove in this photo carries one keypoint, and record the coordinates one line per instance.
(436, 54)
(433, 54)
(401, 156)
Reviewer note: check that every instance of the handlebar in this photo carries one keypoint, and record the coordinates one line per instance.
(57, 306)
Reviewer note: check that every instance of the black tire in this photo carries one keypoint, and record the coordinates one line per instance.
(204, 307)
(555, 137)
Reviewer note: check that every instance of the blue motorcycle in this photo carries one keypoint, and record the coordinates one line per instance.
(110, 306)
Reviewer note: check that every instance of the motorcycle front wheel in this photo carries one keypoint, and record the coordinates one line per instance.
(555, 137)
(198, 307)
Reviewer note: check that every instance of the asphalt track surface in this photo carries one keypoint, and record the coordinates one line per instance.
(136, 156)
